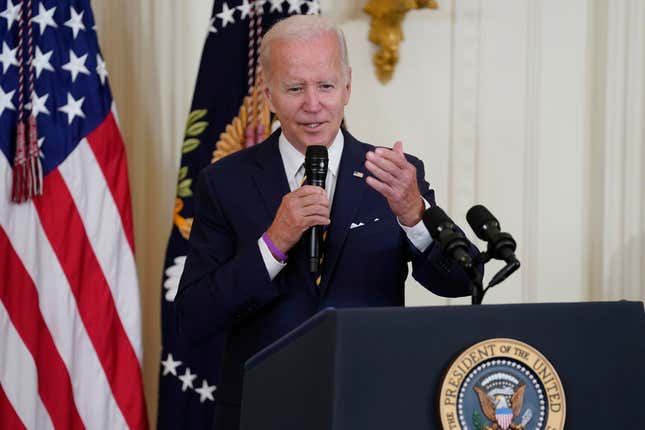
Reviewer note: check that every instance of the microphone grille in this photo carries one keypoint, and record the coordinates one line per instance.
(477, 216)
(316, 161)
(434, 217)
(316, 151)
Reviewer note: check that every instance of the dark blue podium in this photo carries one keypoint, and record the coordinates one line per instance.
(381, 368)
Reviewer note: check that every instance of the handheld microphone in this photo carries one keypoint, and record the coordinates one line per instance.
(501, 246)
(316, 162)
(443, 230)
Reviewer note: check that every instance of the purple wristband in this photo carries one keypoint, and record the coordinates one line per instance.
(274, 249)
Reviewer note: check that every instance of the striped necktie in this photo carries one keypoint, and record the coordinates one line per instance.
(318, 274)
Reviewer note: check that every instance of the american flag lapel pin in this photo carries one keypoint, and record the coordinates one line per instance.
(358, 174)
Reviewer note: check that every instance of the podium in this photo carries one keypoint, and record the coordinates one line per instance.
(383, 368)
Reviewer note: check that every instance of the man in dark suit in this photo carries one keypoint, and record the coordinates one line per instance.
(246, 274)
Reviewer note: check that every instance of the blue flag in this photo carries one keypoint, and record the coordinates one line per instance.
(227, 114)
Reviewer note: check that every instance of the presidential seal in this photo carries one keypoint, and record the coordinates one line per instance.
(502, 384)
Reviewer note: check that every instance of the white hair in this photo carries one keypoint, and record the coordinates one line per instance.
(302, 27)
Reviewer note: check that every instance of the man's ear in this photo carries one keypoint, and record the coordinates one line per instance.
(267, 97)
(348, 85)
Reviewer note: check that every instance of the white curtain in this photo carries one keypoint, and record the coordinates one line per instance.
(152, 49)
(532, 108)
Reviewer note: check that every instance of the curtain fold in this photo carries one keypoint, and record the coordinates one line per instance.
(152, 50)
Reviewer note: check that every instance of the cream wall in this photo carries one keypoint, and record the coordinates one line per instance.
(533, 108)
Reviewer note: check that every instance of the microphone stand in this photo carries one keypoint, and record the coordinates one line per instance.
(500, 246)
(476, 282)
(451, 244)
(455, 244)
(478, 290)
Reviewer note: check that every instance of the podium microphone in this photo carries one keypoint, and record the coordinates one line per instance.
(443, 230)
(501, 246)
(316, 162)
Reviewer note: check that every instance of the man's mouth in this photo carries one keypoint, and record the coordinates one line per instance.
(312, 125)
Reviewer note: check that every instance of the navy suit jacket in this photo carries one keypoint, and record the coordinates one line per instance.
(225, 287)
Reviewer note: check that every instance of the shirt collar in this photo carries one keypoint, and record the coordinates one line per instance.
(293, 159)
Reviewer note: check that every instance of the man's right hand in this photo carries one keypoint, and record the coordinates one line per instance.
(300, 209)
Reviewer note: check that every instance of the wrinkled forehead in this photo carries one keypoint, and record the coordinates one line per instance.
(314, 58)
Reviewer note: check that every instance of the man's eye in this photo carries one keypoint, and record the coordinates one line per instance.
(326, 86)
(294, 90)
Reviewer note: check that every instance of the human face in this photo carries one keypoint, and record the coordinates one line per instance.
(308, 89)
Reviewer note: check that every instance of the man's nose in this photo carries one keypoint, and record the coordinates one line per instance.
(312, 100)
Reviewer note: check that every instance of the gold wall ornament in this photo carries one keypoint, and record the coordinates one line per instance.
(385, 30)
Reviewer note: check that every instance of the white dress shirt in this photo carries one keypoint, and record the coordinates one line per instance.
(294, 168)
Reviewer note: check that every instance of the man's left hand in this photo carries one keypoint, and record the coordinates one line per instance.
(396, 179)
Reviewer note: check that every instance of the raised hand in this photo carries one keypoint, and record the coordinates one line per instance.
(396, 179)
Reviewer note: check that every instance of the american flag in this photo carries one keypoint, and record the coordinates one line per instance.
(70, 341)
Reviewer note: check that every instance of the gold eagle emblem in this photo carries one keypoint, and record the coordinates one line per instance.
(232, 139)
(234, 136)
(490, 405)
(183, 224)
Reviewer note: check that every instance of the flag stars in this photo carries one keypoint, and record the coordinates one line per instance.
(41, 61)
(40, 147)
(101, 69)
(8, 57)
(73, 109)
(276, 5)
(205, 392)
(294, 6)
(11, 13)
(226, 15)
(75, 21)
(259, 6)
(245, 9)
(187, 380)
(170, 365)
(313, 7)
(45, 18)
(5, 101)
(76, 65)
(211, 26)
(38, 104)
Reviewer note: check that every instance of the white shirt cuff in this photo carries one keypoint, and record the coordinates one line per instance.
(418, 234)
(273, 266)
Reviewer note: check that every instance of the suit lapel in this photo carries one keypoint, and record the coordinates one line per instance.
(347, 199)
(271, 185)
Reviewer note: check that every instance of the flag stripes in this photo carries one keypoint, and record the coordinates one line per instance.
(67, 235)
(8, 417)
(54, 385)
(112, 162)
(59, 310)
(18, 377)
(70, 329)
(82, 176)
(75, 250)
